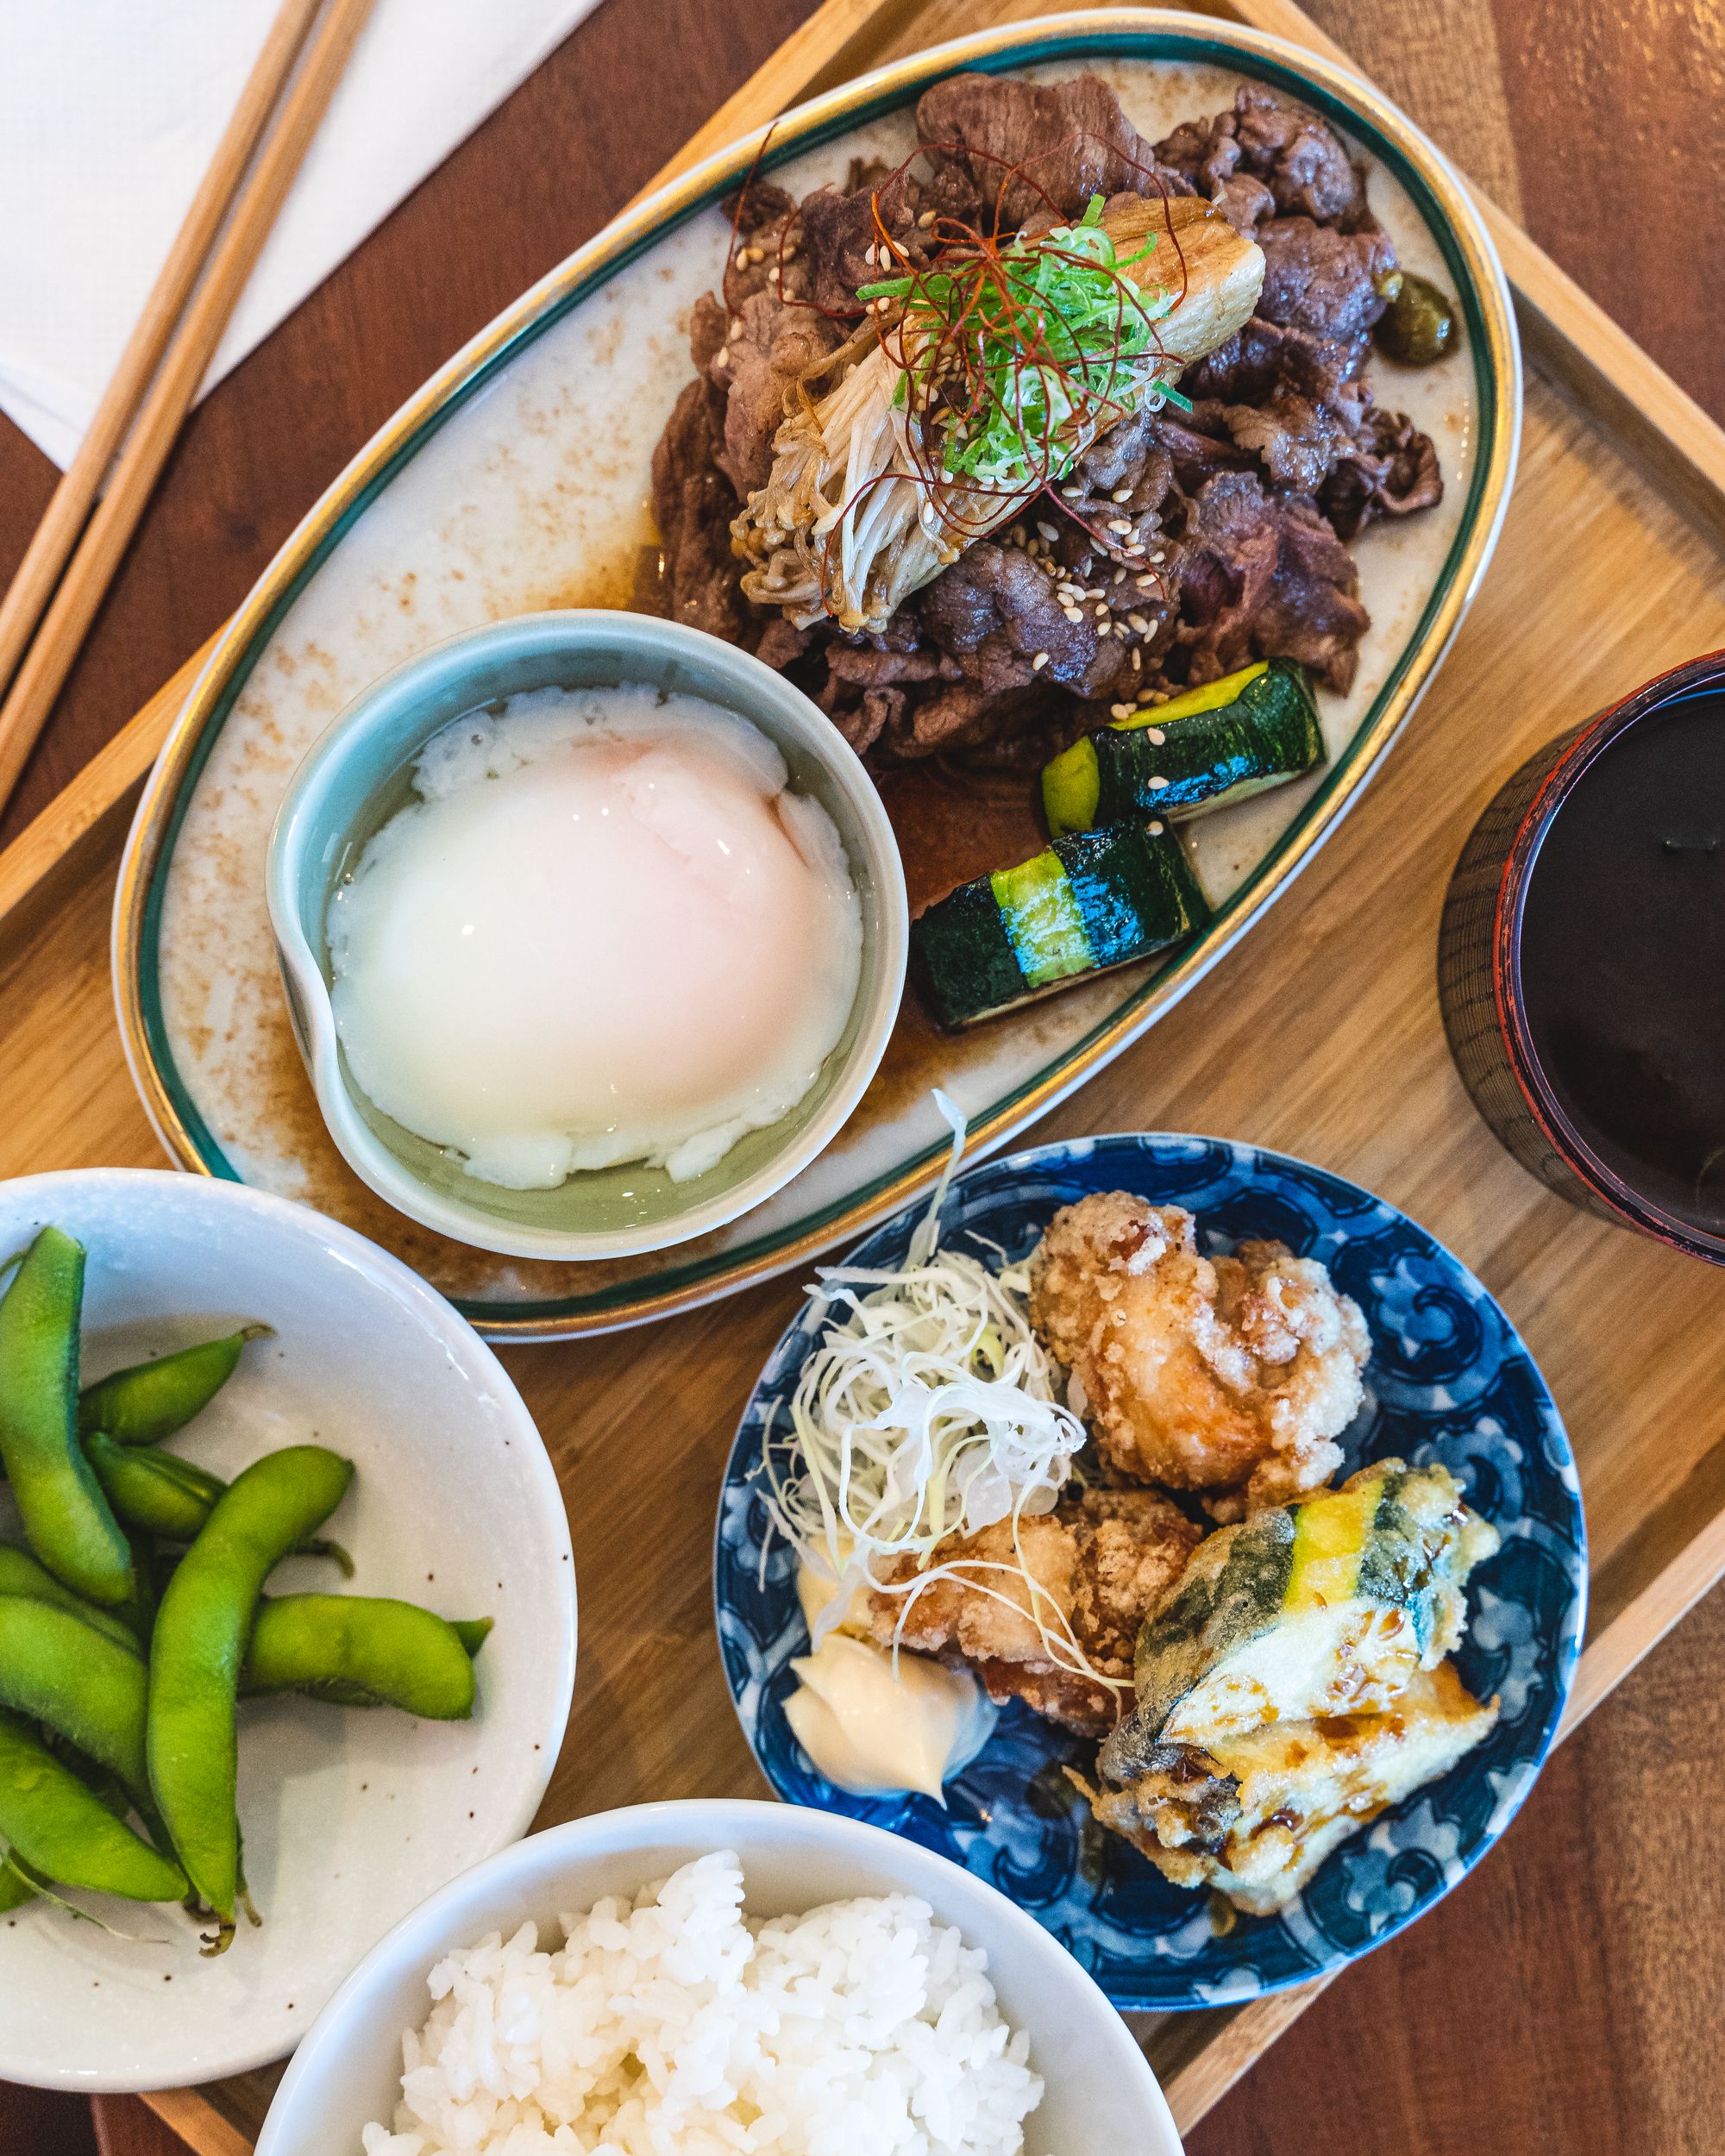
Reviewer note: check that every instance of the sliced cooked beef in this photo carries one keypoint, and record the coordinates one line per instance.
(1202, 447)
(1286, 148)
(1301, 157)
(1266, 578)
(995, 610)
(838, 231)
(764, 219)
(1265, 357)
(757, 206)
(1391, 471)
(1312, 612)
(1318, 278)
(1299, 442)
(782, 643)
(768, 351)
(864, 667)
(693, 576)
(1236, 511)
(998, 145)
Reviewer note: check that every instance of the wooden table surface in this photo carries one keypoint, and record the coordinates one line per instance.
(1566, 1998)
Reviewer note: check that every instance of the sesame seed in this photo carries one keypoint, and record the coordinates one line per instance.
(1157, 737)
(1157, 785)
(1072, 613)
(1138, 661)
(1138, 624)
(1120, 494)
(1120, 711)
(1037, 663)
(1145, 583)
(1157, 828)
(1103, 628)
(925, 220)
(1119, 524)
(1159, 554)
(1070, 493)
(1135, 547)
(722, 357)
(1046, 531)
(742, 258)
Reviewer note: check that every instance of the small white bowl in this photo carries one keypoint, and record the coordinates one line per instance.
(354, 775)
(1101, 2098)
(350, 1817)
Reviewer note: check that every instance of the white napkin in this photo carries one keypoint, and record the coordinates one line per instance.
(109, 113)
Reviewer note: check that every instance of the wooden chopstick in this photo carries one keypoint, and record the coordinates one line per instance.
(250, 184)
(74, 499)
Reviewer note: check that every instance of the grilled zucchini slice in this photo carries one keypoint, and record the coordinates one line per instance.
(1090, 901)
(1201, 751)
(1327, 1608)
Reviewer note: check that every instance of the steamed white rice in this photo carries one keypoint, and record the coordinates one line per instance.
(676, 2025)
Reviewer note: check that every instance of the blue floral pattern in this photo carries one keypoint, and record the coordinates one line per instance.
(1449, 1379)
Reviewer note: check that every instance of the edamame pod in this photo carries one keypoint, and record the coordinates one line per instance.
(63, 1830)
(67, 1521)
(159, 1494)
(15, 1890)
(156, 1493)
(20, 1574)
(55, 1669)
(151, 1401)
(199, 1644)
(363, 1651)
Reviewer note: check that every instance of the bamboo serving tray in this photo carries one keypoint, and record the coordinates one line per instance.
(1319, 1036)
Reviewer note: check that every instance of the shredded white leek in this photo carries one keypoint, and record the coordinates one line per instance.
(928, 1409)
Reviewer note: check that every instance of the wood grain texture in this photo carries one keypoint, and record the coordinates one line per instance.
(35, 2123)
(1279, 1044)
(126, 2127)
(1564, 1999)
(559, 158)
(1550, 2005)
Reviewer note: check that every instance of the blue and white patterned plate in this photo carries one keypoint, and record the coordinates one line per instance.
(1448, 1380)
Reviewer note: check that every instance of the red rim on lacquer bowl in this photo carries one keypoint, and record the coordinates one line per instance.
(1480, 982)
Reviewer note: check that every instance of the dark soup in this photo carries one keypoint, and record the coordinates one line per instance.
(1623, 958)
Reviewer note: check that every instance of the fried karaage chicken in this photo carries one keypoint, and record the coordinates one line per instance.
(1103, 1559)
(1229, 1376)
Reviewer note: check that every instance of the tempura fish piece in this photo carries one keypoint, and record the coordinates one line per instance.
(1232, 1376)
(1102, 1561)
(1254, 1815)
(1323, 1608)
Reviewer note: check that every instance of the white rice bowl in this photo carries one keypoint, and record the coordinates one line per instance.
(673, 2024)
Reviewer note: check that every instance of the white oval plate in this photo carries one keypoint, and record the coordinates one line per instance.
(517, 480)
(351, 1818)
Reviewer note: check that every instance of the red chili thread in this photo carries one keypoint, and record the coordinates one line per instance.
(960, 245)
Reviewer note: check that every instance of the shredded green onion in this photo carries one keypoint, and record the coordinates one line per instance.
(1044, 336)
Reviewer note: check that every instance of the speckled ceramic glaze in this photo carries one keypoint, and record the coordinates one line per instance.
(1448, 1380)
(518, 479)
